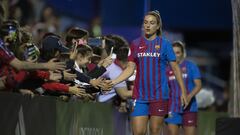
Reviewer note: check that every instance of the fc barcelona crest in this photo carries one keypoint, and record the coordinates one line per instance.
(157, 47)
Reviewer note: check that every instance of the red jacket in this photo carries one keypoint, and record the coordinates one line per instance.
(15, 77)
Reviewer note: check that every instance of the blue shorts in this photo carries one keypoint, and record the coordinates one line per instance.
(174, 118)
(158, 108)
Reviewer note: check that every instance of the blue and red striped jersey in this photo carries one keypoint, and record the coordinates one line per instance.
(190, 72)
(151, 58)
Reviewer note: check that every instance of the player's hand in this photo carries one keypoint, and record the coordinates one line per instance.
(184, 100)
(53, 65)
(106, 85)
(113, 83)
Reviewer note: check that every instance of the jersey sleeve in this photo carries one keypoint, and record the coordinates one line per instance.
(195, 72)
(132, 53)
(170, 53)
(40, 74)
(55, 86)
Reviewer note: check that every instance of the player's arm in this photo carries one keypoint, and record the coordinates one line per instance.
(125, 74)
(129, 70)
(124, 93)
(197, 81)
(196, 89)
(178, 74)
(24, 65)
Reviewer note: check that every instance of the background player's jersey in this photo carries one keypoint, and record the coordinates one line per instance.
(190, 72)
(151, 58)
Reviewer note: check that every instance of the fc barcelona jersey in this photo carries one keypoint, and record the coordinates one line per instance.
(151, 58)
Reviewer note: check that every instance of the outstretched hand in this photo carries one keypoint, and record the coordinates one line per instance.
(53, 65)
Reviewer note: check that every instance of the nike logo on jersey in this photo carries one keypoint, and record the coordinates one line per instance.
(190, 121)
(160, 110)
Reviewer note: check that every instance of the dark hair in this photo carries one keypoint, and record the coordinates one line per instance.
(97, 50)
(157, 15)
(49, 54)
(75, 33)
(109, 44)
(179, 44)
(84, 50)
(121, 47)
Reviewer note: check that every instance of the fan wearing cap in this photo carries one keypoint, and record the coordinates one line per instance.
(9, 44)
(52, 47)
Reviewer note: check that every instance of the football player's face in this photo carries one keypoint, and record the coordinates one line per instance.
(150, 25)
(178, 52)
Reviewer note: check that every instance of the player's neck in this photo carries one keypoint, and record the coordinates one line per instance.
(180, 61)
(150, 36)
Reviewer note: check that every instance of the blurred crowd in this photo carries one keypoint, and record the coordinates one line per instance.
(35, 59)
